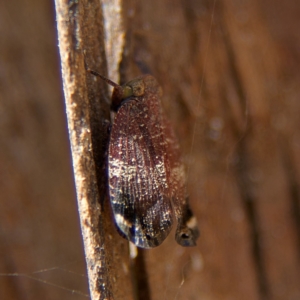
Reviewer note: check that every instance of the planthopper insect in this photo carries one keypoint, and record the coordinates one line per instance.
(145, 174)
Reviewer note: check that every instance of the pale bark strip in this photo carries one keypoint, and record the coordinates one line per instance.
(80, 30)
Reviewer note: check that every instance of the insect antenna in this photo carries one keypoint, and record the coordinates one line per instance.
(108, 81)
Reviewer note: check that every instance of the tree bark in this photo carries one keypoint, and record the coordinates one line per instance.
(229, 72)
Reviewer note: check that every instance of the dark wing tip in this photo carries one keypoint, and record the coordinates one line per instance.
(146, 241)
(143, 235)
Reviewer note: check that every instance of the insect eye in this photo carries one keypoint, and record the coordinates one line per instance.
(134, 88)
(127, 92)
(138, 88)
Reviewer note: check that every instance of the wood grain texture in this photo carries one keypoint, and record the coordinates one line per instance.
(222, 81)
(41, 253)
(230, 77)
(81, 36)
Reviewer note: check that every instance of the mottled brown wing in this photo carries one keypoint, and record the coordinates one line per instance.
(187, 231)
(138, 169)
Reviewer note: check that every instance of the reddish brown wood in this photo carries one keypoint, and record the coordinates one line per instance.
(230, 77)
(222, 81)
(40, 235)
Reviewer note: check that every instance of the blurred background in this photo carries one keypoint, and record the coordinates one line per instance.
(39, 224)
(230, 75)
